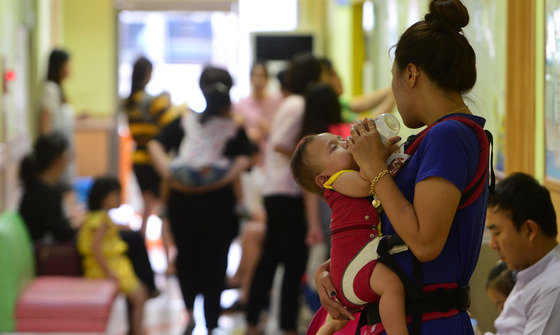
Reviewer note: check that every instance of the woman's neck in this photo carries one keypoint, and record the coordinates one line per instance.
(435, 105)
(259, 94)
(50, 177)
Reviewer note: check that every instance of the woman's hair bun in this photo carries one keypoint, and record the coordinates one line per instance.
(450, 12)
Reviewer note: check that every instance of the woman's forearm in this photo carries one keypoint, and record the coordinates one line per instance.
(160, 159)
(240, 164)
(425, 239)
(387, 105)
(399, 211)
(370, 100)
(283, 150)
(45, 123)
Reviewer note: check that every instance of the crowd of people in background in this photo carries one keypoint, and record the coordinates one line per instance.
(225, 173)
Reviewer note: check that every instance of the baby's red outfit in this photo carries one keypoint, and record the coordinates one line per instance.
(353, 227)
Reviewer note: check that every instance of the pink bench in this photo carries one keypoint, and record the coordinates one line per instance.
(65, 304)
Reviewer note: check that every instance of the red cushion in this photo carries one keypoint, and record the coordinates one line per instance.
(60, 325)
(65, 303)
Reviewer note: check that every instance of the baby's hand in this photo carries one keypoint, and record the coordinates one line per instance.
(334, 325)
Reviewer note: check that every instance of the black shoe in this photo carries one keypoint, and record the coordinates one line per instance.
(189, 329)
(154, 293)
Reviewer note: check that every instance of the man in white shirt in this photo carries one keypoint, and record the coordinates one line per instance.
(522, 221)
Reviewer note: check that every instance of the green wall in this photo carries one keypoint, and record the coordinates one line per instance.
(340, 35)
(89, 33)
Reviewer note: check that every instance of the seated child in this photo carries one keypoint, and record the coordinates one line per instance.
(200, 160)
(499, 284)
(104, 252)
(322, 164)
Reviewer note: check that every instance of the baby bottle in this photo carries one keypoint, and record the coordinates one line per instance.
(387, 125)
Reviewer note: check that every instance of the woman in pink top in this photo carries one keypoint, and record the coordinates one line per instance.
(256, 113)
(258, 109)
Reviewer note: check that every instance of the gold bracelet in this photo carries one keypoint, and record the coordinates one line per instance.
(375, 180)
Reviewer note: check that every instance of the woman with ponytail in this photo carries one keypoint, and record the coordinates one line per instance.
(212, 151)
(146, 115)
(41, 205)
(289, 210)
(200, 160)
(434, 189)
(42, 209)
(56, 113)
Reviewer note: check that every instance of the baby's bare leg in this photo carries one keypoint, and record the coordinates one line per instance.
(388, 286)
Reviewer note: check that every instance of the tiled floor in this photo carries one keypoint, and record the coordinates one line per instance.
(166, 315)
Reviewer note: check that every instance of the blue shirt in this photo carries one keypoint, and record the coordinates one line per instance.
(449, 150)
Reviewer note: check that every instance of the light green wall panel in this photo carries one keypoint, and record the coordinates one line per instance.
(89, 33)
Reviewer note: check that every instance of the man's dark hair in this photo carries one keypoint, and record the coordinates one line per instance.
(522, 198)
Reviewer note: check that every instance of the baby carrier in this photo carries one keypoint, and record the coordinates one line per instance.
(438, 300)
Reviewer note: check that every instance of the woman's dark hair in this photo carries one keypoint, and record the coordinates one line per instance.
(57, 59)
(282, 77)
(438, 47)
(303, 70)
(322, 109)
(522, 198)
(259, 63)
(102, 187)
(501, 278)
(215, 84)
(326, 64)
(46, 150)
(141, 69)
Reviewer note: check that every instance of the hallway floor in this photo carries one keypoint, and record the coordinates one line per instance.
(166, 315)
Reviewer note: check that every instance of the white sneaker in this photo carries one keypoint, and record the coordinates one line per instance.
(219, 331)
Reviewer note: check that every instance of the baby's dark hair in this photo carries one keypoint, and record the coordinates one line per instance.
(303, 169)
(501, 278)
(102, 187)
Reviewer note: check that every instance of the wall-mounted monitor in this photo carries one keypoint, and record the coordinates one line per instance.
(281, 46)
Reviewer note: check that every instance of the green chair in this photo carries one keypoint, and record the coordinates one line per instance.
(17, 265)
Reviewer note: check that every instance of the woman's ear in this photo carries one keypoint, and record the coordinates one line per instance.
(412, 74)
(321, 179)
